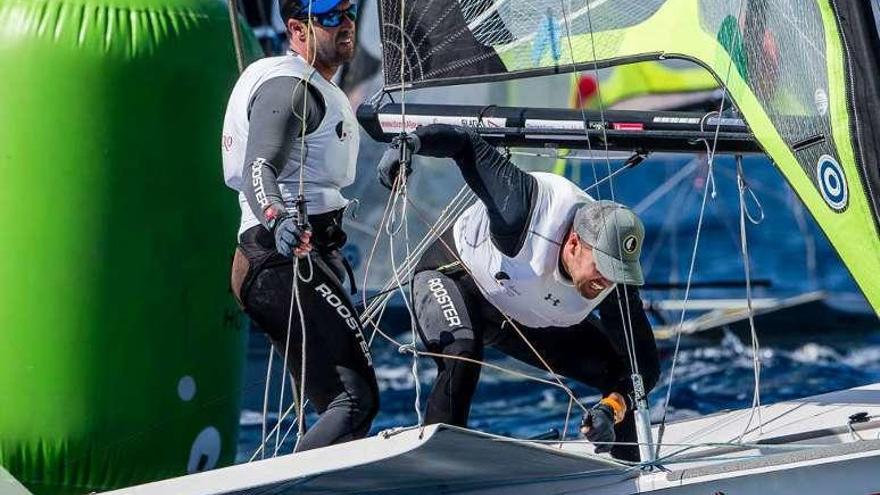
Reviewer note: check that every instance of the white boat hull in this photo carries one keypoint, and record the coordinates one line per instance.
(805, 446)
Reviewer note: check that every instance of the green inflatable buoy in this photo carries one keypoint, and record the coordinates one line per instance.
(121, 352)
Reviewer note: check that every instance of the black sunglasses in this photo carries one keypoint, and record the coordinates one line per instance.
(334, 18)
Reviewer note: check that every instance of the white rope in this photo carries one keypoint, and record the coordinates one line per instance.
(284, 362)
(710, 159)
(294, 293)
(266, 401)
(399, 192)
(372, 253)
(626, 318)
(625, 312)
(461, 201)
(411, 348)
(295, 422)
(262, 447)
(510, 321)
(301, 415)
(512, 372)
(415, 364)
(689, 445)
(670, 183)
(756, 358)
(687, 291)
(567, 417)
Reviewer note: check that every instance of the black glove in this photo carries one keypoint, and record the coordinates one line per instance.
(389, 165)
(289, 236)
(598, 426)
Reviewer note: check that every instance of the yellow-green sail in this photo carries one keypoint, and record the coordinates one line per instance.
(804, 79)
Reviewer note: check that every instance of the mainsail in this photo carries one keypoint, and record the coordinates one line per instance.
(803, 73)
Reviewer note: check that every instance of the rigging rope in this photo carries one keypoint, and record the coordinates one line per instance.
(626, 318)
(756, 358)
(265, 404)
(464, 197)
(506, 317)
(302, 219)
(687, 290)
(409, 262)
(232, 6)
(709, 179)
(377, 306)
(399, 192)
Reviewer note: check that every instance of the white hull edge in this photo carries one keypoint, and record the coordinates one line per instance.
(829, 456)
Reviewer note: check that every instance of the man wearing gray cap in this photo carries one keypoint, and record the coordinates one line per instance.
(537, 253)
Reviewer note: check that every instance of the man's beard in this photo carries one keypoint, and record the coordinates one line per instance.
(334, 54)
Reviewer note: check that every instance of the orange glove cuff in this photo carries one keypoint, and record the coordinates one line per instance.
(617, 404)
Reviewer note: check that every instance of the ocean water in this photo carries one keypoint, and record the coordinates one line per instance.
(709, 378)
(788, 255)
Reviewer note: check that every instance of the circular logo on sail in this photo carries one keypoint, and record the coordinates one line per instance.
(630, 243)
(832, 182)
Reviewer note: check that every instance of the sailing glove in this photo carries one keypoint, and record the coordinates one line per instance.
(598, 426)
(290, 238)
(402, 148)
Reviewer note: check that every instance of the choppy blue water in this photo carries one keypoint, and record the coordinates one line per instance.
(710, 375)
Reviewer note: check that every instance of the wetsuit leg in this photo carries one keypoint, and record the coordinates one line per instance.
(582, 352)
(339, 379)
(446, 326)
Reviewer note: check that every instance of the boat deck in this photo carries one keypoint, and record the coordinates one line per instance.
(813, 436)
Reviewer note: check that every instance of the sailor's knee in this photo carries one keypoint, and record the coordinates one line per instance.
(458, 347)
(361, 399)
(369, 406)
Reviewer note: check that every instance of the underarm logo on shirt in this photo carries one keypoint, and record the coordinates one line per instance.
(342, 310)
(257, 181)
(441, 295)
(226, 142)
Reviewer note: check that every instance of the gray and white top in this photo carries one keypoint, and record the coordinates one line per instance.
(329, 157)
(528, 286)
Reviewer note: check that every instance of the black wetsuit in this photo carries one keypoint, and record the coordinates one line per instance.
(339, 380)
(592, 352)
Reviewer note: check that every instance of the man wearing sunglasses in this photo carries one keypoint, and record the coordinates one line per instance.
(290, 144)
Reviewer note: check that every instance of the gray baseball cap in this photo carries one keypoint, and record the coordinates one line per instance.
(616, 235)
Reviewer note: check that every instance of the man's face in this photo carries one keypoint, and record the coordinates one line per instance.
(578, 261)
(333, 46)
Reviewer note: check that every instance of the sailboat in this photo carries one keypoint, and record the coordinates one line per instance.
(803, 75)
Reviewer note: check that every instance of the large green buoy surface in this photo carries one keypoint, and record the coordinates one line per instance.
(121, 352)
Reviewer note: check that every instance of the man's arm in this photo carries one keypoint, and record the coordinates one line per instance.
(276, 121)
(507, 191)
